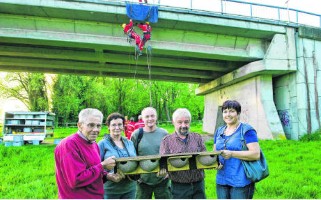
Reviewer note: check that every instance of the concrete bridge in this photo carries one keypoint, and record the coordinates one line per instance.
(272, 69)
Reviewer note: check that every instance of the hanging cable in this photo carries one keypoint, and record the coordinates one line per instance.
(149, 60)
(136, 60)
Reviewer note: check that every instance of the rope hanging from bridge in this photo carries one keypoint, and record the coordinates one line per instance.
(148, 14)
(149, 60)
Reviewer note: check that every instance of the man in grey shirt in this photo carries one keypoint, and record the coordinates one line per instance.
(149, 145)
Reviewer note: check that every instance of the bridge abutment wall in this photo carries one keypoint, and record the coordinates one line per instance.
(297, 95)
(279, 106)
(256, 97)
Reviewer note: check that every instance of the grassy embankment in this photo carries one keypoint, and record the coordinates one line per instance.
(295, 170)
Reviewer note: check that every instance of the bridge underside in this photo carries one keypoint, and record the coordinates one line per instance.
(229, 57)
(86, 38)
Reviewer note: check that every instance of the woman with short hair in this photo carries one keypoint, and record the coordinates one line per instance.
(231, 180)
(117, 186)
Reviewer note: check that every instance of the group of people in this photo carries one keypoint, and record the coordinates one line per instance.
(131, 33)
(85, 169)
(131, 125)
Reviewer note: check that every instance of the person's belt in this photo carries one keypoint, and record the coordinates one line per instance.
(192, 183)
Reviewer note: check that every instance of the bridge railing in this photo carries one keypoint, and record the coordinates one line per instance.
(253, 11)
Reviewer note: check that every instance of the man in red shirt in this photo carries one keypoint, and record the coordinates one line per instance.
(128, 30)
(79, 171)
(130, 127)
(140, 123)
(147, 29)
(125, 125)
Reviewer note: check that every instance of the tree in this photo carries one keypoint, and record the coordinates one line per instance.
(29, 88)
(67, 97)
(126, 96)
(168, 96)
(189, 100)
(72, 93)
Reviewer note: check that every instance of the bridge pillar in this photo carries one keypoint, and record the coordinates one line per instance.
(298, 95)
(256, 98)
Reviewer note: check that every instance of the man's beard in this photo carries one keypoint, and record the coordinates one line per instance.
(186, 131)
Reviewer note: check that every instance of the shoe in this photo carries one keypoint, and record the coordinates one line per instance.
(140, 53)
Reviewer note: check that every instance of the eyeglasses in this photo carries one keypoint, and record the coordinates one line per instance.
(115, 125)
(93, 125)
(183, 122)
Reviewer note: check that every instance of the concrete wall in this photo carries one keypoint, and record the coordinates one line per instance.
(258, 109)
(279, 105)
(298, 95)
(252, 86)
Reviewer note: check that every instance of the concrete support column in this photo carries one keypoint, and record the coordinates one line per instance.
(256, 98)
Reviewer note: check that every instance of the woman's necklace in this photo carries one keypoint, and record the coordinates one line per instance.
(228, 132)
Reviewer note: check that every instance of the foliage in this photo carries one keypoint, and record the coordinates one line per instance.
(68, 94)
(29, 88)
(168, 96)
(28, 171)
(316, 136)
(72, 93)
(127, 96)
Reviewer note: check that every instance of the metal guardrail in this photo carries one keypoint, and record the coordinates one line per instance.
(274, 12)
(251, 11)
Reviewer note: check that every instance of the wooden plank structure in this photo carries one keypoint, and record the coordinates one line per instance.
(171, 162)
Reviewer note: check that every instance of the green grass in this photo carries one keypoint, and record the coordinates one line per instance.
(27, 172)
(295, 170)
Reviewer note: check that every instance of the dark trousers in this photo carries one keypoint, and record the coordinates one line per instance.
(195, 190)
(129, 195)
(161, 190)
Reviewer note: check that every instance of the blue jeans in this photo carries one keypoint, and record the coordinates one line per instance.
(229, 192)
(129, 195)
(194, 190)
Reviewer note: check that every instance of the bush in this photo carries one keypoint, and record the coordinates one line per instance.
(316, 136)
